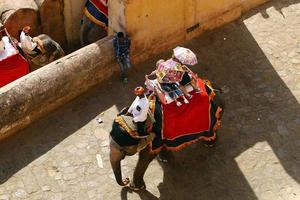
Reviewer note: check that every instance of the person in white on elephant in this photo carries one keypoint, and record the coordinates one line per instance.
(139, 109)
(6, 48)
(27, 43)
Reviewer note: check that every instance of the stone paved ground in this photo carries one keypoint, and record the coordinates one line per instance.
(257, 58)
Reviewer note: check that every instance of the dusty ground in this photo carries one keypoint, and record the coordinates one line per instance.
(257, 58)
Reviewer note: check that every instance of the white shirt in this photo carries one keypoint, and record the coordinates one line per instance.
(139, 109)
(8, 48)
(26, 42)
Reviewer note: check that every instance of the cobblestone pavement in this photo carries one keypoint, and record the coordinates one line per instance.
(257, 58)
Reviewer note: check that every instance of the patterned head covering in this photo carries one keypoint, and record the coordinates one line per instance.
(139, 90)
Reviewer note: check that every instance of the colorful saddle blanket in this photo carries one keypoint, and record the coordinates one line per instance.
(186, 124)
(97, 12)
(176, 127)
(187, 119)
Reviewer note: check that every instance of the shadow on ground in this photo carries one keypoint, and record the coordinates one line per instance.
(256, 92)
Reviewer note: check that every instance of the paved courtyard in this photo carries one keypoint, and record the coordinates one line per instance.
(257, 59)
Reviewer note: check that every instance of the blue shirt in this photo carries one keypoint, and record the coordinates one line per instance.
(121, 47)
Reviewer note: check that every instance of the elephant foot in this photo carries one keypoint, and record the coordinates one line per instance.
(211, 143)
(136, 188)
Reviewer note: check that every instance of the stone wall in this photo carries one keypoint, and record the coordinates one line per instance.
(52, 20)
(73, 15)
(249, 4)
(45, 89)
(116, 17)
(182, 19)
(155, 25)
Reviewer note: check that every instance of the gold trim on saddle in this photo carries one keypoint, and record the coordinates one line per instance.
(122, 122)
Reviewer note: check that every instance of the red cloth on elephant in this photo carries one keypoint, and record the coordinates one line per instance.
(12, 68)
(187, 119)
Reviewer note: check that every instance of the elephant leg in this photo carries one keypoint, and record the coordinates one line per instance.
(116, 155)
(85, 28)
(145, 157)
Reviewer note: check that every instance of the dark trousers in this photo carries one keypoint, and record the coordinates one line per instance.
(141, 128)
(124, 62)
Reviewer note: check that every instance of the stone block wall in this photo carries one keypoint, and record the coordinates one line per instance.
(164, 24)
(72, 16)
(155, 25)
(249, 4)
(38, 93)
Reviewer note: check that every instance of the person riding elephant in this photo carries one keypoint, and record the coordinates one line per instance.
(52, 49)
(29, 45)
(39, 50)
(171, 88)
(6, 44)
(122, 142)
(94, 22)
(139, 110)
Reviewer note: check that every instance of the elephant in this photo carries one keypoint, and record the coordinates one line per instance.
(90, 32)
(52, 51)
(122, 144)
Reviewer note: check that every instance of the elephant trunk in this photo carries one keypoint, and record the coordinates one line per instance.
(116, 156)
